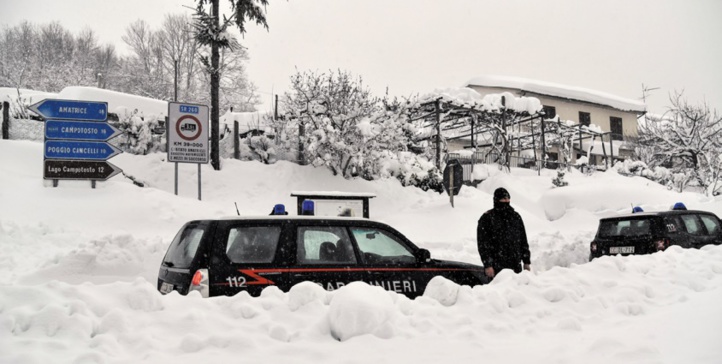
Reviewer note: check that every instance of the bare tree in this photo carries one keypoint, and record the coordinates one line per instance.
(687, 138)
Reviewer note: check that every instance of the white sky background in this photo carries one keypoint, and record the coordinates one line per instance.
(415, 46)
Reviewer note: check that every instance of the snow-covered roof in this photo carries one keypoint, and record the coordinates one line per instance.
(31, 96)
(332, 194)
(468, 97)
(558, 90)
(118, 102)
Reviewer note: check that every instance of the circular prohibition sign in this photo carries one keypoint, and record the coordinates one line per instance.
(193, 119)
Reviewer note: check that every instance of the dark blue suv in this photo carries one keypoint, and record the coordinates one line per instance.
(228, 256)
(649, 232)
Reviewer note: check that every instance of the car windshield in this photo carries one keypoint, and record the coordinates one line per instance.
(631, 227)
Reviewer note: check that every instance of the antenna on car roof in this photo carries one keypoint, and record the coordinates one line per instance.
(239, 214)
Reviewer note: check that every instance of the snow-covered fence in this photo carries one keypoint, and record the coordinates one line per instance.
(481, 157)
(26, 129)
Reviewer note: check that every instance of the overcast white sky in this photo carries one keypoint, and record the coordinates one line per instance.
(415, 46)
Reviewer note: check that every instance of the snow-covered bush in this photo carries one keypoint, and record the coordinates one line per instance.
(262, 147)
(559, 181)
(411, 170)
(339, 124)
(677, 181)
(137, 135)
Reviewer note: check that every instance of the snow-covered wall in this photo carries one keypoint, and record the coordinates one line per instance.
(118, 103)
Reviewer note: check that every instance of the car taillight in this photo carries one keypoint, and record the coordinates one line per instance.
(661, 244)
(593, 246)
(200, 282)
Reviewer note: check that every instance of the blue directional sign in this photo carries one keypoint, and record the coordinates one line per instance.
(79, 130)
(71, 110)
(60, 149)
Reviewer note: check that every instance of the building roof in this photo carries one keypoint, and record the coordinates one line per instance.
(561, 91)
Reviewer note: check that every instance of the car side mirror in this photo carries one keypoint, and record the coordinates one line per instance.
(423, 256)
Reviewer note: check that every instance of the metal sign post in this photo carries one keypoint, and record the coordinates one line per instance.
(187, 137)
(453, 179)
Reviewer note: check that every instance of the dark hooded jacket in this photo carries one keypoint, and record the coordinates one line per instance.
(501, 238)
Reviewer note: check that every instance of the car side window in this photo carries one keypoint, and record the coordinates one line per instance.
(252, 244)
(324, 245)
(672, 224)
(711, 223)
(184, 246)
(379, 246)
(692, 225)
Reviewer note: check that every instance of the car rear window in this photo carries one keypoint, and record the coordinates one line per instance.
(712, 224)
(184, 246)
(624, 228)
(252, 244)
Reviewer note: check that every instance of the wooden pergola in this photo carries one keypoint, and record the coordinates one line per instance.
(504, 130)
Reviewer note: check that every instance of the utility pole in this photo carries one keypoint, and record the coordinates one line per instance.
(215, 84)
(175, 80)
(275, 109)
(645, 91)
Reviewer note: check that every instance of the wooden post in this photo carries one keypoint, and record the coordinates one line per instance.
(533, 147)
(451, 185)
(543, 145)
(581, 147)
(301, 132)
(604, 151)
(437, 106)
(6, 120)
(236, 141)
(611, 149)
(275, 109)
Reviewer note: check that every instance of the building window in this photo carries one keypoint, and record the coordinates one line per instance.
(549, 111)
(585, 118)
(615, 125)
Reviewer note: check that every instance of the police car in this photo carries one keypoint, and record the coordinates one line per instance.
(648, 232)
(237, 254)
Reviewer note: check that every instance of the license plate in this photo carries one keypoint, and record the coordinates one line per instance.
(166, 288)
(621, 250)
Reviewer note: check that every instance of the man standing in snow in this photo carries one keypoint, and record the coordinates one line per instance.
(501, 237)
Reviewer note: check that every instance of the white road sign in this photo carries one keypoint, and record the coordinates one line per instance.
(187, 133)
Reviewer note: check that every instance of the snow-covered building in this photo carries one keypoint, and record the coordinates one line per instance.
(611, 113)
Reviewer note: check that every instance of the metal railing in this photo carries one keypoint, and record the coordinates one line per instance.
(468, 161)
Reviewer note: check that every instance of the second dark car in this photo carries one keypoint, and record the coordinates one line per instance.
(228, 256)
(649, 232)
